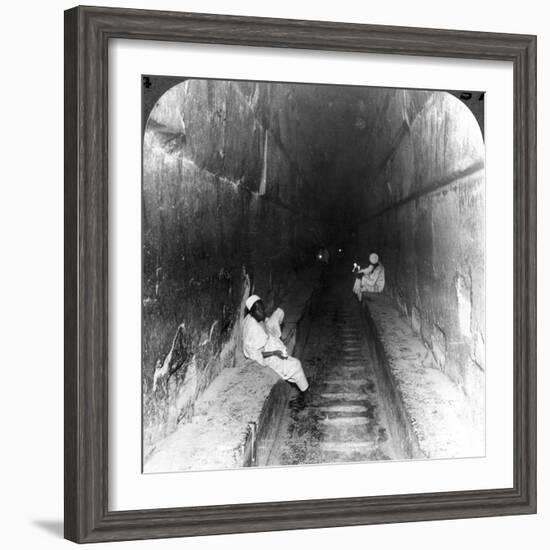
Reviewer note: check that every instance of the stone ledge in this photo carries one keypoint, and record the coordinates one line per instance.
(436, 408)
(237, 416)
(217, 435)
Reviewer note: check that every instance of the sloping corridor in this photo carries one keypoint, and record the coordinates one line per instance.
(344, 420)
(243, 184)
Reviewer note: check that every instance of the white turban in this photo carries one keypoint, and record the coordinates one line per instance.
(251, 301)
(373, 258)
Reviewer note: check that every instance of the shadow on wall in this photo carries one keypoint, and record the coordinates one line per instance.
(427, 221)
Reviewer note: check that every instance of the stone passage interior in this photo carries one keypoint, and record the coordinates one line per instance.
(243, 182)
(346, 418)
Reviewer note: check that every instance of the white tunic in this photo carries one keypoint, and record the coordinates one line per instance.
(256, 340)
(373, 280)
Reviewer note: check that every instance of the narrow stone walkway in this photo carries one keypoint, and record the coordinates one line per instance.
(343, 420)
(216, 436)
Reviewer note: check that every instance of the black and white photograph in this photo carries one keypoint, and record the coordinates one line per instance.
(280, 266)
(313, 274)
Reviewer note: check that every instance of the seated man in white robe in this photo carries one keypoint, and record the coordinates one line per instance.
(268, 349)
(370, 279)
(273, 328)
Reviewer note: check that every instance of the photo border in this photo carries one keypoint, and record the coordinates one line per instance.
(87, 34)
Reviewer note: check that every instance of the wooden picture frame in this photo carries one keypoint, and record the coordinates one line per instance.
(87, 34)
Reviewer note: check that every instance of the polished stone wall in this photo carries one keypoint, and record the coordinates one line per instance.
(426, 209)
(226, 208)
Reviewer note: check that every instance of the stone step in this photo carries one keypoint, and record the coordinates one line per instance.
(346, 387)
(320, 402)
(348, 373)
(349, 381)
(345, 367)
(349, 455)
(330, 415)
(343, 408)
(349, 433)
(345, 419)
(343, 396)
(343, 448)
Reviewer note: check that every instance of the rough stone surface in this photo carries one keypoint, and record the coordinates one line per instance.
(209, 236)
(243, 181)
(439, 411)
(215, 437)
(426, 221)
(345, 419)
(239, 400)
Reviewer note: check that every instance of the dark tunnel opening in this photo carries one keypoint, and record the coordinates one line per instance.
(244, 182)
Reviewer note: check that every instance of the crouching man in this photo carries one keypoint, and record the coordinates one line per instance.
(369, 280)
(267, 349)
